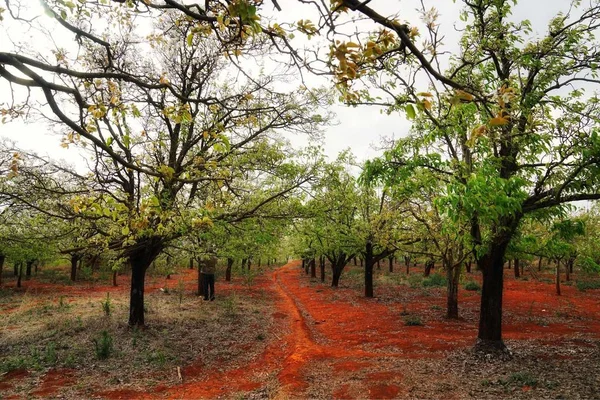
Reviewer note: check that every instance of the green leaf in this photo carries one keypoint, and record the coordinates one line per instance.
(190, 38)
(410, 111)
(125, 231)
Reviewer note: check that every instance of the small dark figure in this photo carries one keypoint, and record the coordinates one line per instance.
(208, 282)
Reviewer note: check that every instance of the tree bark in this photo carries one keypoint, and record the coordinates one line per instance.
(140, 259)
(20, 274)
(245, 260)
(114, 276)
(369, 262)
(228, 270)
(558, 277)
(313, 268)
(517, 268)
(391, 263)
(2, 258)
(490, 315)
(322, 266)
(28, 264)
(429, 264)
(74, 260)
(191, 262)
(354, 261)
(453, 278)
(361, 262)
(16, 269)
(249, 263)
(468, 266)
(540, 264)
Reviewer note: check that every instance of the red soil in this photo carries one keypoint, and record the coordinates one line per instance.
(352, 334)
(53, 381)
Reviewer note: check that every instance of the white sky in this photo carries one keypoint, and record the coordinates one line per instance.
(359, 128)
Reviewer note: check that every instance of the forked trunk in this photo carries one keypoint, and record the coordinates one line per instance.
(228, 270)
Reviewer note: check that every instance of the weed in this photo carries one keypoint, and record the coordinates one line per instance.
(230, 305)
(414, 281)
(586, 285)
(473, 286)
(435, 280)
(103, 346)
(50, 356)
(523, 379)
(157, 357)
(436, 307)
(106, 305)
(413, 320)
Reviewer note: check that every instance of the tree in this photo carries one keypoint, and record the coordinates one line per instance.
(513, 134)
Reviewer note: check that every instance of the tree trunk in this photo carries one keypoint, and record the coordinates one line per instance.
(74, 260)
(468, 266)
(407, 267)
(80, 265)
(16, 269)
(453, 278)
(2, 258)
(429, 264)
(307, 266)
(228, 270)
(140, 259)
(391, 263)
(336, 273)
(361, 262)
(369, 263)
(558, 277)
(540, 264)
(191, 262)
(28, 264)
(20, 274)
(322, 266)
(200, 290)
(36, 265)
(303, 264)
(517, 268)
(509, 264)
(249, 263)
(354, 261)
(313, 268)
(245, 260)
(114, 278)
(259, 263)
(378, 264)
(490, 315)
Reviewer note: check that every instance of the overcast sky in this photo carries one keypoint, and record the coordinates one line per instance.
(358, 128)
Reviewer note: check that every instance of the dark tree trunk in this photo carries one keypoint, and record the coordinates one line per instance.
(490, 315)
(20, 275)
(200, 290)
(74, 261)
(335, 279)
(2, 258)
(80, 265)
(16, 269)
(303, 264)
(453, 278)
(354, 261)
(313, 268)
(140, 259)
(517, 268)
(28, 264)
(36, 265)
(228, 270)
(571, 264)
(369, 263)
(567, 272)
(361, 262)
(468, 266)
(378, 264)
(558, 277)
(115, 273)
(391, 263)
(307, 266)
(540, 264)
(322, 266)
(509, 264)
(191, 262)
(249, 263)
(407, 268)
(245, 260)
(429, 264)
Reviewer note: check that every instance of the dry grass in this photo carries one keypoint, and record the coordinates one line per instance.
(45, 331)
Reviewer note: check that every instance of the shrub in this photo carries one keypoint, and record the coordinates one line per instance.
(435, 280)
(413, 320)
(473, 286)
(106, 305)
(103, 346)
(586, 285)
